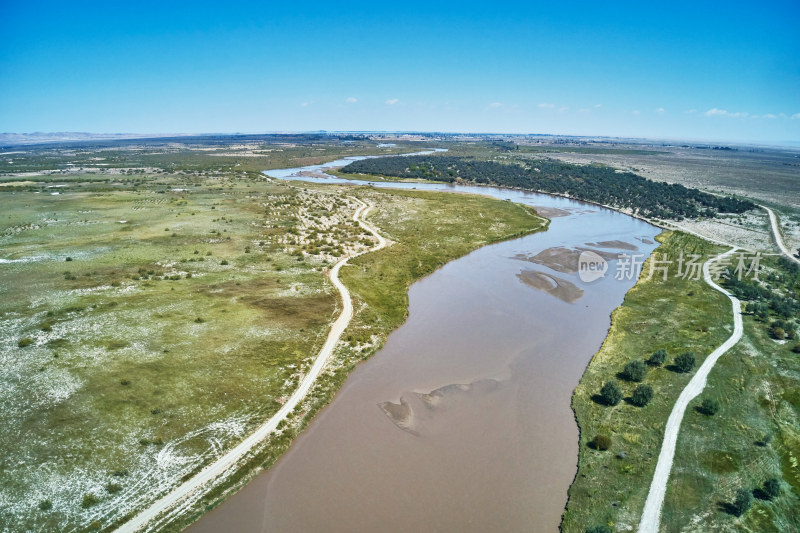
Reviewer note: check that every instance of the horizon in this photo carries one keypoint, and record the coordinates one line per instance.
(717, 72)
(145, 136)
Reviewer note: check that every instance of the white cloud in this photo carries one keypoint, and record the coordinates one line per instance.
(660, 111)
(563, 109)
(597, 106)
(392, 101)
(692, 111)
(770, 115)
(714, 112)
(495, 105)
(305, 104)
(796, 116)
(351, 100)
(636, 112)
(546, 106)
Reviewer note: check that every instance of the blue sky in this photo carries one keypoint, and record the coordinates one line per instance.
(699, 70)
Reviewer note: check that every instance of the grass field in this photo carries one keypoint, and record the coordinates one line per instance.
(149, 319)
(753, 437)
(677, 315)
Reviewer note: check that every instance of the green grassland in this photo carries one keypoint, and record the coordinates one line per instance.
(677, 315)
(149, 319)
(427, 230)
(753, 437)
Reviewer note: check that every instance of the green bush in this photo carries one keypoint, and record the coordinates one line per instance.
(658, 358)
(685, 362)
(26, 341)
(635, 371)
(642, 395)
(742, 502)
(709, 406)
(89, 500)
(599, 529)
(45, 505)
(601, 442)
(113, 488)
(611, 393)
(771, 488)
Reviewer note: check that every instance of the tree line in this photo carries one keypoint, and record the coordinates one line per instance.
(593, 183)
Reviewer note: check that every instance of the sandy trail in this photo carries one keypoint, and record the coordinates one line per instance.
(651, 516)
(232, 459)
(776, 232)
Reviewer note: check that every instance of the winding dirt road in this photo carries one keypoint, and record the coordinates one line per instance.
(776, 232)
(232, 458)
(651, 516)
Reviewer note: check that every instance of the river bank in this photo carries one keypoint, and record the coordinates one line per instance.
(439, 432)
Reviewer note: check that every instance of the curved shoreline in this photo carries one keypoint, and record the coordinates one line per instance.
(231, 458)
(179, 496)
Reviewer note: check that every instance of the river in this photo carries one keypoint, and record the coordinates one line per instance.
(462, 421)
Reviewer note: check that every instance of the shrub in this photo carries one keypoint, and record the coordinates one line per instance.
(777, 332)
(771, 488)
(89, 499)
(599, 529)
(601, 442)
(709, 406)
(223, 262)
(796, 348)
(742, 502)
(642, 395)
(611, 393)
(26, 341)
(199, 320)
(658, 358)
(68, 259)
(45, 505)
(685, 362)
(635, 371)
(113, 488)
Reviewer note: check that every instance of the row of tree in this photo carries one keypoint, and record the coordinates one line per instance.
(593, 183)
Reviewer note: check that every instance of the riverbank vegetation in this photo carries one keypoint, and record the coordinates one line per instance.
(735, 437)
(594, 183)
(658, 322)
(152, 316)
(750, 447)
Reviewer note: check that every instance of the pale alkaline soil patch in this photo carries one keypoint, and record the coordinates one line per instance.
(790, 226)
(749, 231)
(146, 325)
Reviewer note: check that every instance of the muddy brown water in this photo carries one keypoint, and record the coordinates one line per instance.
(462, 421)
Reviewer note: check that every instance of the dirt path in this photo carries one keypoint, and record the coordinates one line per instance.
(231, 459)
(651, 516)
(776, 233)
